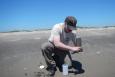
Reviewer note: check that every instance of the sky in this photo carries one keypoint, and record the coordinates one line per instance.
(35, 14)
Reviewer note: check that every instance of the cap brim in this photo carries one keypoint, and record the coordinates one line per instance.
(71, 27)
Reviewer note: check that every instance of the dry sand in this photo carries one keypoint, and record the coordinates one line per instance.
(20, 54)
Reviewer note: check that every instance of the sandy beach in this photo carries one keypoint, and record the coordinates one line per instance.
(20, 54)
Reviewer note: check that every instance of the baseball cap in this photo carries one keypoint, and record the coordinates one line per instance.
(71, 22)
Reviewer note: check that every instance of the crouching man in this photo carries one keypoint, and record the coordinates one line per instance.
(58, 44)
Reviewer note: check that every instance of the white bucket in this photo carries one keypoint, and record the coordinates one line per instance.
(65, 69)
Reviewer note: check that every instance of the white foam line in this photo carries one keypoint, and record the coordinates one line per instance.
(98, 52)
(37, 38)
(14, 40)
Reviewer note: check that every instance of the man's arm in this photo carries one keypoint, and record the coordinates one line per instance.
(59, 44)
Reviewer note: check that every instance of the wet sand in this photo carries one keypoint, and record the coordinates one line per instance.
(20, 54)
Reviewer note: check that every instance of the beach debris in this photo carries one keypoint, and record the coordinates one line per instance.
(98, 52)
(26, 74)
(25, 68)
(41, 66)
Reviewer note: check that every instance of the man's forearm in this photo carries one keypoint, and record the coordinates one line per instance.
(63, 46)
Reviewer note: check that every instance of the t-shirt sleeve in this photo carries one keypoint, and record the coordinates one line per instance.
(55, 31)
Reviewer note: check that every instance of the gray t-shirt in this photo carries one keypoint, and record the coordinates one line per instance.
(66, 38)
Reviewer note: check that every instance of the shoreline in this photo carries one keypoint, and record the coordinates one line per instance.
(42, 30)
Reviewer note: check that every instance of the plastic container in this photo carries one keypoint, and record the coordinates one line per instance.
(65, 69)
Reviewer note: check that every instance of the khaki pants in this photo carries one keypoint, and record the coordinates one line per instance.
(57, 56)
(54, 55)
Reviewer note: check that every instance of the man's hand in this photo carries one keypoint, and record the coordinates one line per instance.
(76, 49)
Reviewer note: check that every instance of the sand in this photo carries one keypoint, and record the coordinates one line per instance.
(20, 54)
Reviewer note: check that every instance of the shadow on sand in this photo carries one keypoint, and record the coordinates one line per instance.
(76, 68)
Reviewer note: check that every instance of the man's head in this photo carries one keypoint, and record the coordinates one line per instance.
(70, 23)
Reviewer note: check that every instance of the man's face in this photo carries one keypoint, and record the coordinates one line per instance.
(69, 28)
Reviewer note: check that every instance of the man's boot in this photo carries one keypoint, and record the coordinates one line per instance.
(51, 69)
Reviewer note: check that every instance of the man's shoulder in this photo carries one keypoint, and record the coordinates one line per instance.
(59, 25)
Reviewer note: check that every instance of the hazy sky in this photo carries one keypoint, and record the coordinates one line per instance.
(32, 14)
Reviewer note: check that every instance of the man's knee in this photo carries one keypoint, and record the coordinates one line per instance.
(44, 46)
(47, 46)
